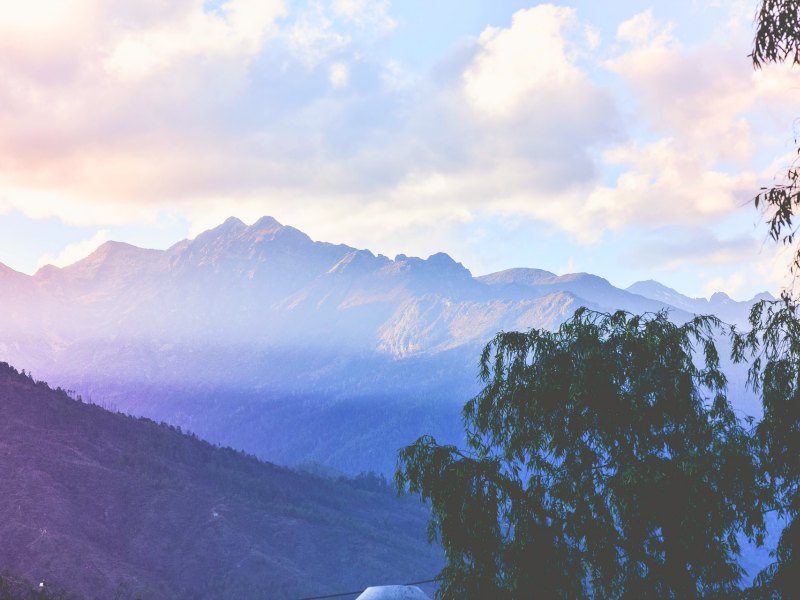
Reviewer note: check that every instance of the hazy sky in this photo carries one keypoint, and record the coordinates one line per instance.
(620, 138)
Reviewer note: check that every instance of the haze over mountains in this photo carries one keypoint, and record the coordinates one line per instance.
(108, 506)
(260, 338)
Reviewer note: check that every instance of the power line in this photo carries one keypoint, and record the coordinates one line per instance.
(342, 594)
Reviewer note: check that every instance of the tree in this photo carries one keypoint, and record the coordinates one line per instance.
(772, 348)
(777, 39)
(777, 32)
(604, 460)
(773, 344)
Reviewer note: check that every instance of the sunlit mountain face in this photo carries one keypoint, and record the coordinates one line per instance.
(296, 350)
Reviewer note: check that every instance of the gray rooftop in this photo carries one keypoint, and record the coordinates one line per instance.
(393, 592)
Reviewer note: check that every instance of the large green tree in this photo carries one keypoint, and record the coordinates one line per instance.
(604, 460)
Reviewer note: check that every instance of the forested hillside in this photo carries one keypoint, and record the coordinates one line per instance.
(105, 505)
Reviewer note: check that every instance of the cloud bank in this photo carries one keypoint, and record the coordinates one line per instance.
(115, 112)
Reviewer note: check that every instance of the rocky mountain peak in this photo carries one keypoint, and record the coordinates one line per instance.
(720, 298)
(266, 224)
(518, 276)
(763, 296)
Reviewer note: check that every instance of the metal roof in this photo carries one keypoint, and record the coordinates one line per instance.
(393, 592)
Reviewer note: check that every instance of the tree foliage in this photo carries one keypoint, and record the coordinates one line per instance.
(779, 203)
(773, 344)
(777, 39)
(777, 36)
(772, 348)
(604, 460)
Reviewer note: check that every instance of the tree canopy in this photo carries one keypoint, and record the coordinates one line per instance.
(777, 39)
(777, 36)
(772, 348)
(604, 460)
(773, 344)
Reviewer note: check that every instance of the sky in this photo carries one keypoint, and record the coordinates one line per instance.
(625, 139)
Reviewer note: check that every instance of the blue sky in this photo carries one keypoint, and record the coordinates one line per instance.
(620, 138)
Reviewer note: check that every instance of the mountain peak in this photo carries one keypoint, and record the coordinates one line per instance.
(763, 296)
(119, 254)
(649, 283)
(358, 261)
(109, 251)
(656, 290)
(518, 276)
(445, 264)
(232, 222)
(720, 298)
(583, 276)
(231, 228)
(266, 222)
(442, 260)
(438, 263)
(112, 246)
(269, 228)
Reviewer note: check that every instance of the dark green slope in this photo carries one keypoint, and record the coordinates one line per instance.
(106, 505)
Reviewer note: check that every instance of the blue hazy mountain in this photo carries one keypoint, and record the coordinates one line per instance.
(719, 304)
(261, 338)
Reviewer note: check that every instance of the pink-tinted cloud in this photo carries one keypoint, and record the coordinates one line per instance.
(114, 112)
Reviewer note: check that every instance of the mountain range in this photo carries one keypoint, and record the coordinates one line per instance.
(260, 338)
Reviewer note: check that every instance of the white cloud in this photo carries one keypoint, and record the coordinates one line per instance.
(366, 13)
(113, 112)
(397, 78)
(640, 29)
(665, 182)
(75, 251)
(157, 139)
(731, 284)
(592, 36)
(236, 30)
(39, 16)
(339, 74)
(567, 268)
(698, 94)
(774, 265)
(676, 246)
(695, 109)
(528, 60)
(313, 36)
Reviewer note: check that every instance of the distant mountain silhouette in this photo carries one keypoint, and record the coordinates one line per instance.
(720, 304)
(109, 506)
(260, 338)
